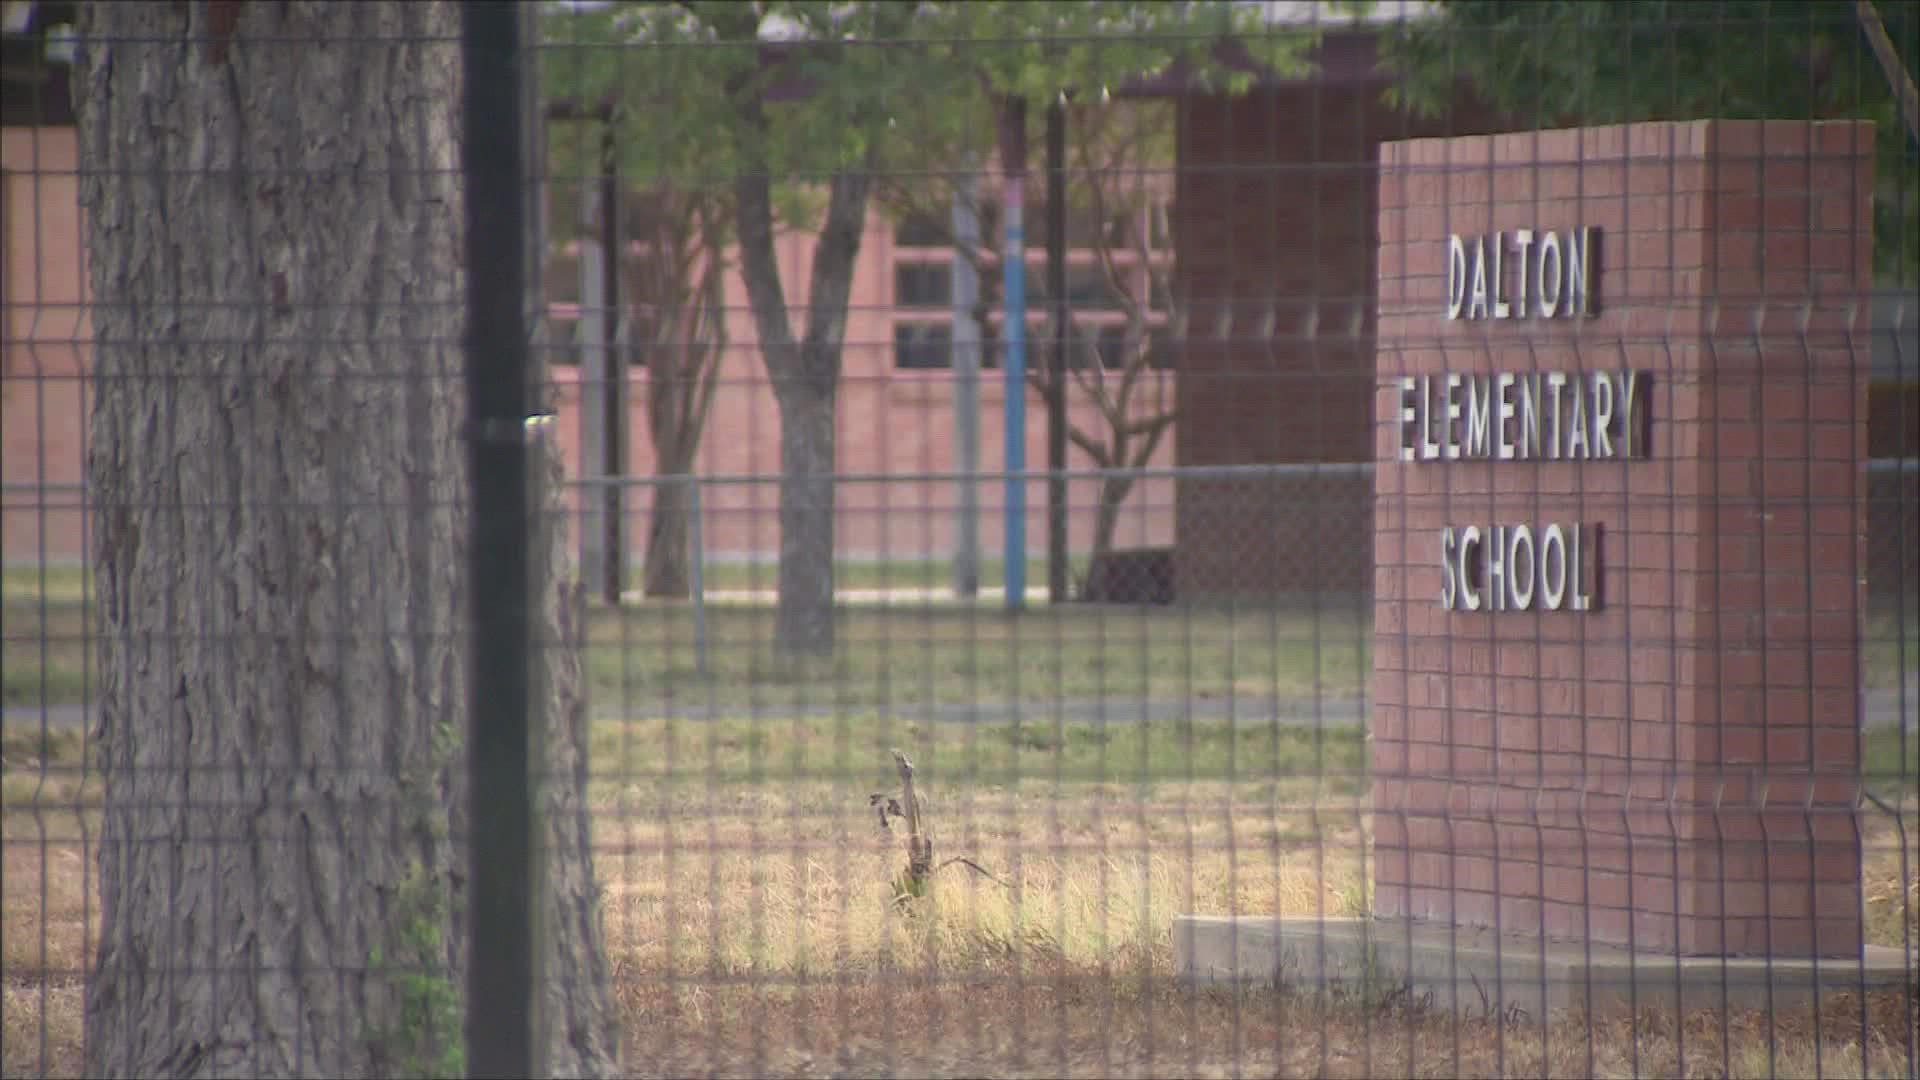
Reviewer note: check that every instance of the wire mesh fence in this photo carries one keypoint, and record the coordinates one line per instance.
(556, 539)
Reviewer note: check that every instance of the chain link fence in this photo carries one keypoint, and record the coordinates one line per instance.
(554, 539)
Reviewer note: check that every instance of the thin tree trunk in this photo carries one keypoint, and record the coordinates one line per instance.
(279, 482)
(685, 369)
(669, 567)
(804, 624)
(1106, 517)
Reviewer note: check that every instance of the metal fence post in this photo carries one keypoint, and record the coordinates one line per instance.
(698, 584)
(501, 988)
(1057, 585)
(966, 385)
(1014, 272)
(596, 385)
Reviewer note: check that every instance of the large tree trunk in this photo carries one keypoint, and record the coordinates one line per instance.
(279, 483)
(576, 1006)
(1106, 517)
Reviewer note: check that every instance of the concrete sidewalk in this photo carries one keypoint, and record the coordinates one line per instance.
(1474, 971)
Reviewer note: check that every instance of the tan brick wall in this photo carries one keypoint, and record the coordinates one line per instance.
(889, 421)
(1613, 773)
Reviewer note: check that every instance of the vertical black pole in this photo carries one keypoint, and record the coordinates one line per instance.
(1013, 297)
(1057, 373)
(614, 468)
(500, 990)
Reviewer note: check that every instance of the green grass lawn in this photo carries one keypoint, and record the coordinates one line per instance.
(854, 746)
(1890, 765)
(855, 749)
(65, 583)
(644, 654)
(647, 653)
(956, 656)
(55, 584)
(718, 576)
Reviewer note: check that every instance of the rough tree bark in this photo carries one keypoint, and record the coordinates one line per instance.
(279, 486)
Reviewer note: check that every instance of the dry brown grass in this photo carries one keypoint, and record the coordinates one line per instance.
(796, 882)
(995, 1026)
(752, 932)
(50, 926)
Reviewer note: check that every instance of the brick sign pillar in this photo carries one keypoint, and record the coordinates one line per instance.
(1620, 440)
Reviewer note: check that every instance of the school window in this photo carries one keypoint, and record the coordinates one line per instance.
(922, 346)
(918, 230)
(922, 285)
(1087, 288)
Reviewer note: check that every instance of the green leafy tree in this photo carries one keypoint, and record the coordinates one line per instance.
(1121, 163)
(677, 293)
(1120, 152)
(797, 108)
(1567, 62)
(709, 99)
(676, 234)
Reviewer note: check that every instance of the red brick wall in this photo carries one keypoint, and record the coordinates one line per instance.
(1276, 214)
(1595, 774)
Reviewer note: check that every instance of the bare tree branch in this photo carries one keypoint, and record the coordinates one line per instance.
(1093, 449)
(1111, 163)
(1112, 153)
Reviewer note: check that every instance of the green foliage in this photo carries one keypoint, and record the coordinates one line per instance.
(918, 84)
(678, 76)
(1566, 62)
(1081, 48)
(1081, 52)
(423, 1038)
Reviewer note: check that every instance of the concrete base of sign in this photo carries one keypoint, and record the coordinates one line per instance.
(1476, 972)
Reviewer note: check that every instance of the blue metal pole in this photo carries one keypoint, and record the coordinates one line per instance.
(1014, 271)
